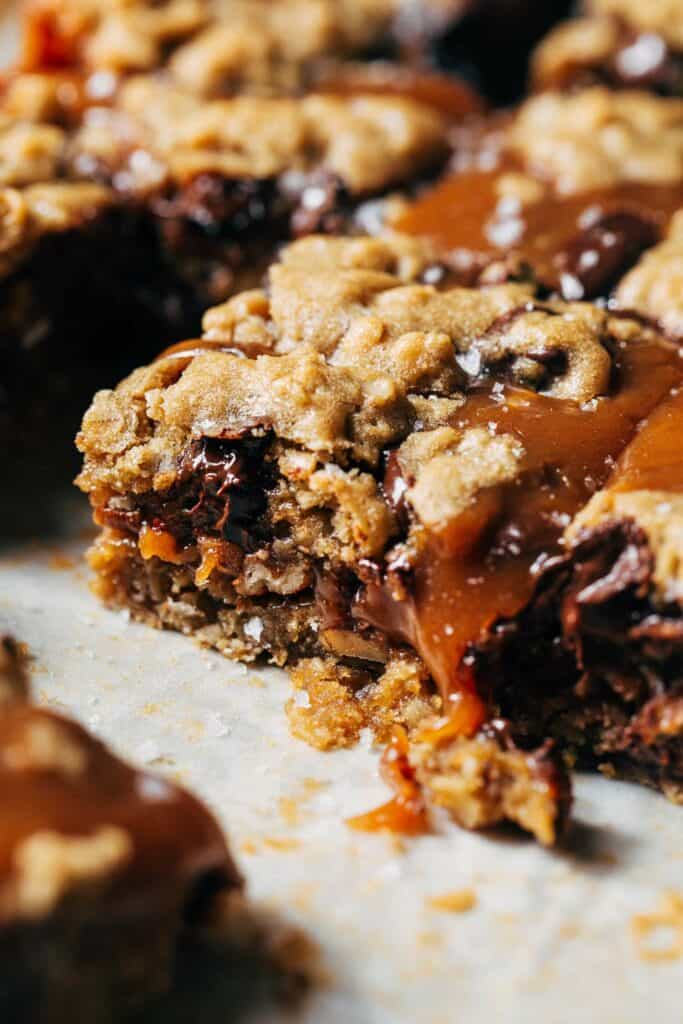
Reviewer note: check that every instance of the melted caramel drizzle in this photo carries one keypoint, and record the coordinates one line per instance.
(173, 836)
(406, 812)
(653, 461)
(465, 217)
(481, 566)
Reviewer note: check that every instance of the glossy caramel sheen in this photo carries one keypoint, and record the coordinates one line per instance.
(174, 840)
(466, 218)
(406, 813)
(481, 566)
(654, 459)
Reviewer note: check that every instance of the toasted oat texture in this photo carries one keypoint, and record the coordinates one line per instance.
(331, 704)
(654, 287)
(659, 514)
(276, 486)
(484, 781)
(223, 46)
(369, 142)
(571, 47)
(65, 161)
(352, 347)
(597, 138)
(36, 196)
(343, 357)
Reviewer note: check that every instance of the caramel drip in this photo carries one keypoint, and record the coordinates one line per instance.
(405, 813)
(79, 787)
(482, 565)
(466, 217)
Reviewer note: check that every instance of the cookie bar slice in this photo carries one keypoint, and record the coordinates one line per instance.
(619, 43)
(567, 191)
(358, 466)
(101, 867)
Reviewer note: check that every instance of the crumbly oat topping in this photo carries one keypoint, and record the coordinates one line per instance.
(64, 159)
(370, 142)
(357, 344)
(331, 704)
(449, 478)
(654, 287)
(616, 41)
(223, 46)
(480, 784)
(597, 138)
(583, 42)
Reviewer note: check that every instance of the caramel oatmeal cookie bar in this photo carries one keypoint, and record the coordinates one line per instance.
(101, 868)
(623, 44)
(357, 464)
(567, 191)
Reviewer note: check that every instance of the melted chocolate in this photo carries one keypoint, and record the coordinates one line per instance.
(592, 662)
(220, 492)
(594, 659)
